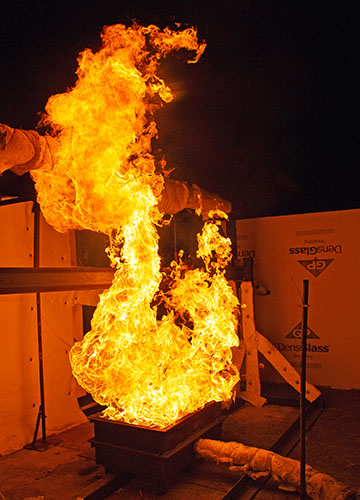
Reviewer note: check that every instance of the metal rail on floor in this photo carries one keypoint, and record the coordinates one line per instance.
(110, 487)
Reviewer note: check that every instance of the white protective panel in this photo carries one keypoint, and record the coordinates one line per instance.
(61, 323)
(19, 388)
(323, 248)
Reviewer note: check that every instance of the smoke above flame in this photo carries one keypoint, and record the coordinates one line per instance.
(151, 356)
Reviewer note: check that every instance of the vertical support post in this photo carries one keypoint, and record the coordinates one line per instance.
(175, 241)
(305, 306)
(36, 259)
(251, 341)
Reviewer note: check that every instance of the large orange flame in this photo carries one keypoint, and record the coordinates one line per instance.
(146, 370)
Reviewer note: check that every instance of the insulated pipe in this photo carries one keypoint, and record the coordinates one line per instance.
(24, 150)
(257, 463)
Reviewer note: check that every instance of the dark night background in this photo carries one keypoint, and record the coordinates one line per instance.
(266, 118)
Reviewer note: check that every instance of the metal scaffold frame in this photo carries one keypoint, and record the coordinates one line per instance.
(51, 279)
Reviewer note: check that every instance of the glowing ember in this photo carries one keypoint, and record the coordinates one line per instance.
(146, 370)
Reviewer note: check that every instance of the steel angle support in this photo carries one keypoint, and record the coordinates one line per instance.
(53, 279)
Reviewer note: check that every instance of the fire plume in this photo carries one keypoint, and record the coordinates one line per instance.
(145, 369)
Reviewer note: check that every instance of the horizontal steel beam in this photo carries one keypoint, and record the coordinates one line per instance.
(53, 279)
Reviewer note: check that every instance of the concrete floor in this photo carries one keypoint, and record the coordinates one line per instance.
(68, 471)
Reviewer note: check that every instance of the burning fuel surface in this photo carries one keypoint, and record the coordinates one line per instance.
(147, 368)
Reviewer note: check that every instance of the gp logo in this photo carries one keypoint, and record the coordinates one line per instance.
(296, 333)
(315, 266)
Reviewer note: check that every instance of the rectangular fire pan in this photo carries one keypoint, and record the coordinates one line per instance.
(154, 453)
(153, 440)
